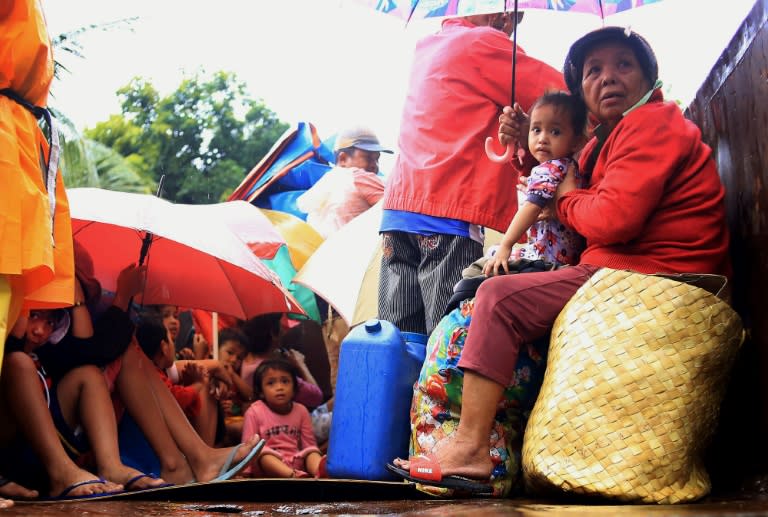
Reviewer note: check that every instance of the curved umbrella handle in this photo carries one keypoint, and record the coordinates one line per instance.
(509, 152)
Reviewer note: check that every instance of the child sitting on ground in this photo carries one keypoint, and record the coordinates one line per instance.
(263, 333)
(237, 397)
(557, 131)
(194, 397)
(66, 422)
(291, 449)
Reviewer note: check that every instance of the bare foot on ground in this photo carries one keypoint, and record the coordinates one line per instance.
(5, 503)
(13, 490)
(459, 457)
(209, 465)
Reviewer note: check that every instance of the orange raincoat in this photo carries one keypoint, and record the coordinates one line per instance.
(36, 258)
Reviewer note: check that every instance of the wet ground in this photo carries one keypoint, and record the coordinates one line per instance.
(436, 508)
(280, 497)
(346, 497)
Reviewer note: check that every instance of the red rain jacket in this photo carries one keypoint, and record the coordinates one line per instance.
(461, 77)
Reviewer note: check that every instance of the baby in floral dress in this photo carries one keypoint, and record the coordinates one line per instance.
(557, 131)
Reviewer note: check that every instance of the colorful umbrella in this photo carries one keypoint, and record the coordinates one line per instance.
(266, 239)
(195, 260)
(301, 238)
(410, 10)
(294, 163)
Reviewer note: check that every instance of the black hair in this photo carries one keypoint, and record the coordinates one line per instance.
(150, 333)
(56, 315)
(279, 364)
(571, 104)
(233, 334)
(573, 69)
(260, 331)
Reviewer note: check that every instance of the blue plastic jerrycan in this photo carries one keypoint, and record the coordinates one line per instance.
(378, 366)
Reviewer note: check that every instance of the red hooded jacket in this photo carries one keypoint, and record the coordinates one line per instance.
(460, 79)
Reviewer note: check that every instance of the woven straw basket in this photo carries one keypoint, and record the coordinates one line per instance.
(637, 368)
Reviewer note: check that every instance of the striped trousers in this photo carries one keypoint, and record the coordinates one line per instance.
(417, 276)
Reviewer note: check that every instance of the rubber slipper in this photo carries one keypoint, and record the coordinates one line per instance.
(128, 485)
(226, 472)
(64, 495)
(426, 471)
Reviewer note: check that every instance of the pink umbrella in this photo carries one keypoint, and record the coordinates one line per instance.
(195, 260)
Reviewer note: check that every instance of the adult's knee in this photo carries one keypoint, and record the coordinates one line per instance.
(495, 290)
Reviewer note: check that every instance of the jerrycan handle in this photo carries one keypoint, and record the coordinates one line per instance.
(415, 344)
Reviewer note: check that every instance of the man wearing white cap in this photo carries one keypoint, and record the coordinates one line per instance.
(350, 188)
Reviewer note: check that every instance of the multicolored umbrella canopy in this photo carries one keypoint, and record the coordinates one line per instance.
(296, 161)
(266, 240)
(418, 9)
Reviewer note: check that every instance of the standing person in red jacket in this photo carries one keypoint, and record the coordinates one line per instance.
(443, 188)
(654, 205)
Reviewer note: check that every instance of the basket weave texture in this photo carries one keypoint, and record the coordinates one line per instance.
(637, 368)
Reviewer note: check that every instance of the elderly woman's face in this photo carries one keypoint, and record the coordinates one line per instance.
(613, 82)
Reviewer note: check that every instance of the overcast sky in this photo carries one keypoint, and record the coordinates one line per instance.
(330, 62)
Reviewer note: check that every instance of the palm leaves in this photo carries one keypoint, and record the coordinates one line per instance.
(86, 163)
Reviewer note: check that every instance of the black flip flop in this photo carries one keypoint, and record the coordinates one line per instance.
(454, 482)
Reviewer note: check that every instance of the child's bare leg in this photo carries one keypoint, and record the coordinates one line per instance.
(137, 395)
(7, 433)
(21, 386)
(312, 462)
(205, 461)
(84, 400)
(274, 467)
(205, 421)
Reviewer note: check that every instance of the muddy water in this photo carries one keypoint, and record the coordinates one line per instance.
(431, 508)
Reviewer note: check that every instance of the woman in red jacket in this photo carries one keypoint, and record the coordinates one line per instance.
(654, 204)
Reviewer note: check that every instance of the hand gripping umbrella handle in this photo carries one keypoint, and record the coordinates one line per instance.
(509, 152)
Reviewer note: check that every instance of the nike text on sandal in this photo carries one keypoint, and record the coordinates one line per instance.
(425, 470)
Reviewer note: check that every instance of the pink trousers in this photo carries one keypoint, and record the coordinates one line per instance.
(511, 310)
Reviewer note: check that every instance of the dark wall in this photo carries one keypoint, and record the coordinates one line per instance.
(731, 108)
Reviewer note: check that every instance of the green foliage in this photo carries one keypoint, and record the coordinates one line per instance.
(115, 172)
(76, 167)
(86, 163)
(204, 137)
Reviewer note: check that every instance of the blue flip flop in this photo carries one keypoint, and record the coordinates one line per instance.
(128, 485)
(226, 472)
(64, 495)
